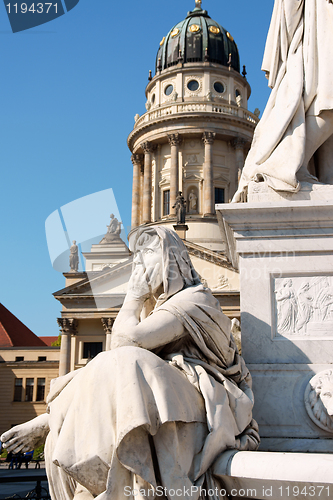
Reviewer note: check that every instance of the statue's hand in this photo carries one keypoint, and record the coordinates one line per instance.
(28, 436)
(144, 282)
(138, 287)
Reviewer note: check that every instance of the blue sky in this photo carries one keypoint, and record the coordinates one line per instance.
(69, 93)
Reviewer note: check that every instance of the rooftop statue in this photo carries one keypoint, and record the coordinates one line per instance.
(113, 232)
(180, 207)
(298, 119)
(74, 257)
(160, 406)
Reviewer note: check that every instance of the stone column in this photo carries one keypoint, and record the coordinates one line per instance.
(148, 150)
(137, 162)
(68, 328)
(238, 144)
(174, 141)
(209, 196)
(107, 324)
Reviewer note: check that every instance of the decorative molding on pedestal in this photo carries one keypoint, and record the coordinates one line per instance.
(318, 400)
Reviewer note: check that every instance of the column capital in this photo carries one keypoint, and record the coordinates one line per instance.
(68, 325)
(238, 143)
(148, 147)
(107, 324)
(174, 139)
(208, 137)
(137, 159)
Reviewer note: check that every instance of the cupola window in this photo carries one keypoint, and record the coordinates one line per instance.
(214, 29)
(219, 87)
(153, 99)
(193, 85)
(237, 93)
(168, 89)
(194, 28)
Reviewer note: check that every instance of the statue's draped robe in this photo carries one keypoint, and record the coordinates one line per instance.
(134, 417)
(298, 63)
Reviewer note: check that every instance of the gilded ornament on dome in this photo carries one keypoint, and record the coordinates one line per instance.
(194, 28)
(162, 41)
(230, 37)
(174, 32)
(214, 29)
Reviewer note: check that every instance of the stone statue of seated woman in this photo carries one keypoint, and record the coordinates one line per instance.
(156, 410)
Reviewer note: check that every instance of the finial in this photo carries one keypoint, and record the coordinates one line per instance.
(198, 3)
(150, 76)
(244, 72)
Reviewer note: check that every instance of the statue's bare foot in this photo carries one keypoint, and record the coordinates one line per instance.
(28, 436)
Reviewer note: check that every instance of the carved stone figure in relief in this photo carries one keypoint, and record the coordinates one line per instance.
(305, 307)
(193, 201)
(287, 307)
(298, 120)
(74, 257)
(319, 400)
(170, 396)
(324, 301)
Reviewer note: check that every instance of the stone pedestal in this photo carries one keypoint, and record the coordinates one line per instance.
(284, 251)
(181, 230)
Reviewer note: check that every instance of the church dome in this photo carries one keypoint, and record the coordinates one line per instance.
(197, 39)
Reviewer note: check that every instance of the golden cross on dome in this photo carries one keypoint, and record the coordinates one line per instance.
(198, 3)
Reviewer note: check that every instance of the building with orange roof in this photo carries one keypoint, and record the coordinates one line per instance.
(27, 365)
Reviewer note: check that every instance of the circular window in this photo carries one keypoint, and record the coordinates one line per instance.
(237, 93)
(168, 90)
(193, 85)
(194, 28)
(153, 98)
(214, 29)
(219, 87)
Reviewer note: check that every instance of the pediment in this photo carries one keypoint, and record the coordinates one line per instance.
(107, 282)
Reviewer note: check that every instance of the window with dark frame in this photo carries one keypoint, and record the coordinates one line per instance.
(18, 389)
(19, 358)
(219, 195)
(29, 389)
(166, 202)
(41, 358)
(91, 349)
(40, 389)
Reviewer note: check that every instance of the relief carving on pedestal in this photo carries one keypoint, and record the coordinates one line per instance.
(304, 306)
(318, 400)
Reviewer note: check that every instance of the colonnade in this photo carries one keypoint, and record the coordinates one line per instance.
(68, 328)
(142, 176)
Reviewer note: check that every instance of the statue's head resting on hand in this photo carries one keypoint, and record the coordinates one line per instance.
(166, 260)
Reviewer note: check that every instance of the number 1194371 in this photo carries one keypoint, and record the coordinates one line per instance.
(38, 8)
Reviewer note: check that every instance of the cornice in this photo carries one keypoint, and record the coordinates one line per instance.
(202, 117)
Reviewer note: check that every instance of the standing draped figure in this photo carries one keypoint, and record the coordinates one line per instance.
(298, 65)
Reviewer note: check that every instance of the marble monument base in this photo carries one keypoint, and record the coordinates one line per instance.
(284, 251)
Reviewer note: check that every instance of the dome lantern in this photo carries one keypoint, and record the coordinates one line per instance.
(197, 38)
